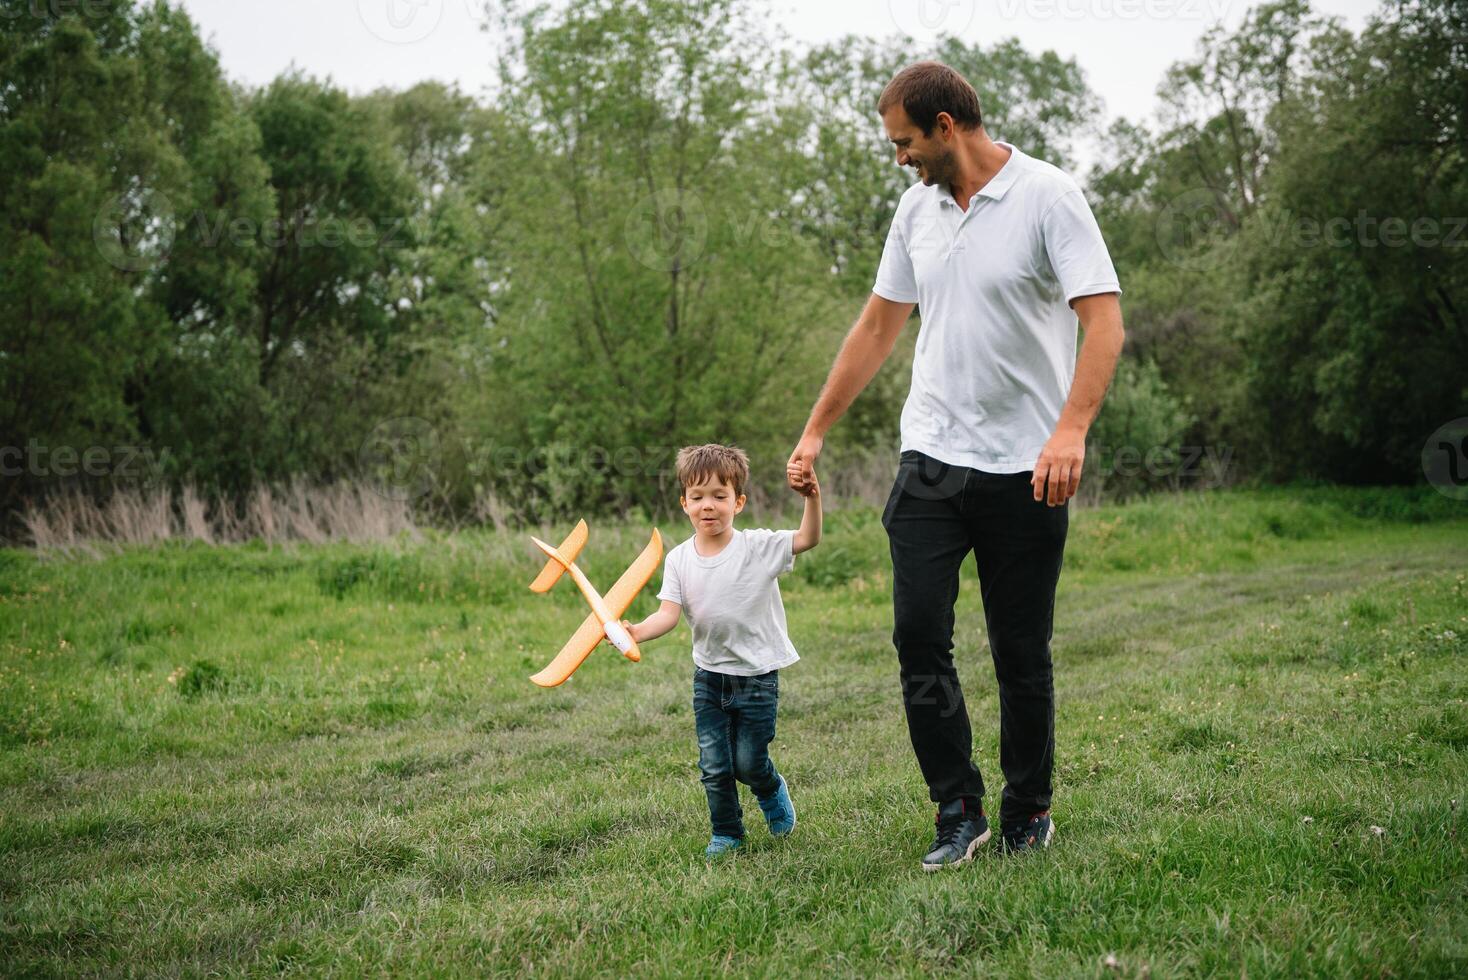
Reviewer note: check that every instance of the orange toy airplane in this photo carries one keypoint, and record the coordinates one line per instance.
(605, 619)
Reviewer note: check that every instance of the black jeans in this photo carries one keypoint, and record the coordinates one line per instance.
(938, 513)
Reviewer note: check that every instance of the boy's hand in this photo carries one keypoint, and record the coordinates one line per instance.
(800, 471)
(631, 631)
(804, 484)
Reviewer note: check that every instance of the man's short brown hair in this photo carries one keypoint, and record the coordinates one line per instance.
(927, 88)
(729, 463)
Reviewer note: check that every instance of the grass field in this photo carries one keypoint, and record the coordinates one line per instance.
(329, 759)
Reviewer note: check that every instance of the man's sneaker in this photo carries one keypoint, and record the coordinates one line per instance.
(721, 845)
(960, 834)
(1031, 835)
(779, 811)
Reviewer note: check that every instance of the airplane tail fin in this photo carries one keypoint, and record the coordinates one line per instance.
(569, 549)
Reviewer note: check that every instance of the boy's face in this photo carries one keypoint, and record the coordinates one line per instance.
(711, 506)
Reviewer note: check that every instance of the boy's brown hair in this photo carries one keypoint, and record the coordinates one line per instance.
(729, 463)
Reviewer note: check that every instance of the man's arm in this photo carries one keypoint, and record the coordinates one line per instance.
(867, 345)
(1058, 470)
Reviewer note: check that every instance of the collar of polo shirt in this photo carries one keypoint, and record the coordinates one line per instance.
(997, 184)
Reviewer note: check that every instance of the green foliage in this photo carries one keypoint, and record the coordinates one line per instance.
(83, 208)
(201, 273)
(1135, 442)
(654, 296)
(1359, 292)
(1285, 237)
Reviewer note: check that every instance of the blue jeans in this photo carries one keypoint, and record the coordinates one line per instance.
(736, 722)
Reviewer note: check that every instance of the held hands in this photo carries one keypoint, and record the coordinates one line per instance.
(806, 486)
(1058, 470)
(800, 472)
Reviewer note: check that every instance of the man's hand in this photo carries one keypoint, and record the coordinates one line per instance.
(800, 471)
(1058, 470)
(806, 486)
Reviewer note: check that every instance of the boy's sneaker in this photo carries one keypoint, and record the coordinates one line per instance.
(1032, 835)
(779, 811)
(961, 832)
(721, 845)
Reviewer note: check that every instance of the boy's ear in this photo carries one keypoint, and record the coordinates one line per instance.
(739, 503)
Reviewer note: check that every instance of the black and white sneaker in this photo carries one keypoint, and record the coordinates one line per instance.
(961, 832)
(1032, 835)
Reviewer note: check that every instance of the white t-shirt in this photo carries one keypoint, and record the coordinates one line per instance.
(997, 348)
(732, 601)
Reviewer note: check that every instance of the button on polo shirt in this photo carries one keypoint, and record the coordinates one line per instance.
(996, 349)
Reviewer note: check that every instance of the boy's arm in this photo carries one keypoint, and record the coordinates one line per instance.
(657, 624)
(809, 534)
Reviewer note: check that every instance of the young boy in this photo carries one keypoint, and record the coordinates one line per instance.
(726, 581)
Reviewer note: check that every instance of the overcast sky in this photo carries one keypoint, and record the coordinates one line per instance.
(1122, 45)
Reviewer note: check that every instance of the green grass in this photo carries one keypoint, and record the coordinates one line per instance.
(330, 760)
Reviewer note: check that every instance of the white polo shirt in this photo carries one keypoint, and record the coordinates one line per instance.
(996, 350)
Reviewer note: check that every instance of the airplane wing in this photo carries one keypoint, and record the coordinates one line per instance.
(617, 598)
(553, 570)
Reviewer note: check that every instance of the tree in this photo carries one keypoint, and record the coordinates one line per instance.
(1356, 319)
(653, 295)
(1174, 198)
(114, 126)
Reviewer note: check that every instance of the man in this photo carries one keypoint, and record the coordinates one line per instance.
(1002, 254)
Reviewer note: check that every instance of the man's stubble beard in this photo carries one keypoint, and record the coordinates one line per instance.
(939, 170)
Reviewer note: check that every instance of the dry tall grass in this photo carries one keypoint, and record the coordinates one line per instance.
(75, 522)
(72, 521)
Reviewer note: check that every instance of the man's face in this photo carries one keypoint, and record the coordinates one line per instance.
(711, 505)
(931, 156)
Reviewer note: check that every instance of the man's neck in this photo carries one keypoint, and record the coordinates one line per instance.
(977, 168)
